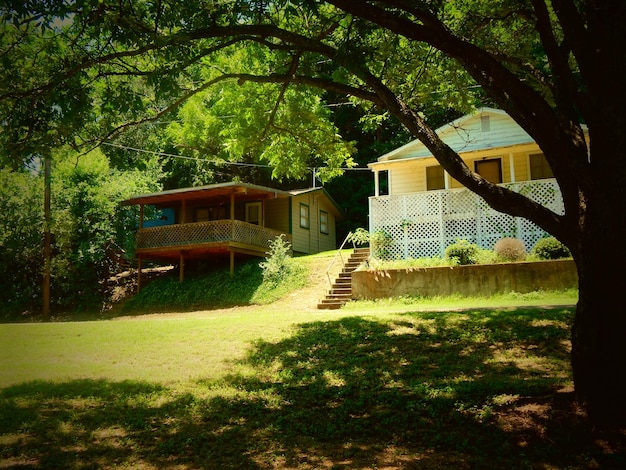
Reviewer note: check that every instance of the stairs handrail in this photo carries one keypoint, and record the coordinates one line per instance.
(338, 254)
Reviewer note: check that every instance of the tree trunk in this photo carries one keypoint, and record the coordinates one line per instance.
(599, 332)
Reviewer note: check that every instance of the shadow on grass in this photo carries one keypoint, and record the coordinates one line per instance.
(471, 390)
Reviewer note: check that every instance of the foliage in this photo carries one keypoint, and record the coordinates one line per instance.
(21, 238)
(277, 264)
(88, 227)
(380, 241)
(251, 284)
(550, 248)
(359, 237)
(462, 252)
(510, 249)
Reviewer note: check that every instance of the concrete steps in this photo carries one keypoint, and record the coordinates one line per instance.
(341, 290)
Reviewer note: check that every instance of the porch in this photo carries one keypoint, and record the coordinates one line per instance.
(423, 224)
(204, 237)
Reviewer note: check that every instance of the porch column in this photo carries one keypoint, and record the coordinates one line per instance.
(138, 273)
(446, 180)
(376, 184)
(512, 167)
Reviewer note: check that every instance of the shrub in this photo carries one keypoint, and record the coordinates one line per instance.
(276, 264)
(380, 243)
(550, 248)
(462, 252)
(359, 237)
(510, 249)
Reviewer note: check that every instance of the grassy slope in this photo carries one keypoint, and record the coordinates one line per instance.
(285, 385)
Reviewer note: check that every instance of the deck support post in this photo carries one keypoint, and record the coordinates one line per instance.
(232, 263)
(181, 267)
(138, 273)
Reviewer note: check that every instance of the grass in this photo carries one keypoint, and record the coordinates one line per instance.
(373, 385)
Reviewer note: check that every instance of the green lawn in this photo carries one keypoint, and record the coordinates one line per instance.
(390, 384)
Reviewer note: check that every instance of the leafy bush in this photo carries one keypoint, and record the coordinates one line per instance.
(550, 248)
(510, 249)
(359, 237)
(277, 263)
(463, 252)
(380, 242)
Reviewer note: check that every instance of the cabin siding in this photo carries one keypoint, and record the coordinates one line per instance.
(311, 240)
(277, 214)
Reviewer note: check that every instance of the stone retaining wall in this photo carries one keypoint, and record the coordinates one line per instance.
(467, 280)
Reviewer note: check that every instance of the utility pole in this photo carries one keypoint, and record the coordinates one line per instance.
(46, 240)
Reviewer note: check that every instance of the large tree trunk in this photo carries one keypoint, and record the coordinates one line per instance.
(599, 333)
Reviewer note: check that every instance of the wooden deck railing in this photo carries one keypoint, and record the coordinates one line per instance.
(198, 233)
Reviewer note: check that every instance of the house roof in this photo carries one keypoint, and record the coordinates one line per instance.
(241, 190)
(486, 128)
(245, 190)
(298, 192)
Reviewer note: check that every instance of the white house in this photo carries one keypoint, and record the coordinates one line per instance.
(426, 210)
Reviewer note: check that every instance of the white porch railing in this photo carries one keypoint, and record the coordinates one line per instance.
(205, 232)
(424, 224)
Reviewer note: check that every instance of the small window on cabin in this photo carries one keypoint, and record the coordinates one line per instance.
(539, 167)
(435, 178)
(201, 214)
(253, 213)
(491, 169)
(305, 221)
(324, 222)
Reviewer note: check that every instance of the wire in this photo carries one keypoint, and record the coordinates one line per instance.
(220, 162)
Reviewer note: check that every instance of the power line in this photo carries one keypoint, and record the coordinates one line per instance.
(219, 162)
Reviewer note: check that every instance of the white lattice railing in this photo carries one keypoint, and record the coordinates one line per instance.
(205, 232)
(424, 224)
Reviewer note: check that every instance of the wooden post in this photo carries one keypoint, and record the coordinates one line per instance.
(138, 273)
(181, 267)
(47, 241)
(232, 263)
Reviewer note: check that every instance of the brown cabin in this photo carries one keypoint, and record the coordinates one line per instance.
(228, 218)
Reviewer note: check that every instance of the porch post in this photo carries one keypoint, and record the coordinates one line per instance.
(140, 215)
(512, 167)
(138, 273)
(376, 184)
(232, 263)
(181, 267)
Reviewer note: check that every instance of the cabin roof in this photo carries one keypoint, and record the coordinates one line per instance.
(298, 192)
(242, 190)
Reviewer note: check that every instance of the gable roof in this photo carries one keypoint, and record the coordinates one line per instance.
(211, 190)
(242, 190)
(298, 192)
(486, 128)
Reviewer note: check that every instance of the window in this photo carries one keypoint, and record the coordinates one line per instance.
(324, 222)
(253, 213)
(539, 167)
(435, 178)
(491, 170)
(304, 216)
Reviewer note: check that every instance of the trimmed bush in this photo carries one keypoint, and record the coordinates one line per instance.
(510, 249)
(550, 248)
(463, 252)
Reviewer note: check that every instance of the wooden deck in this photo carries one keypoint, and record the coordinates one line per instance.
(200, 239)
